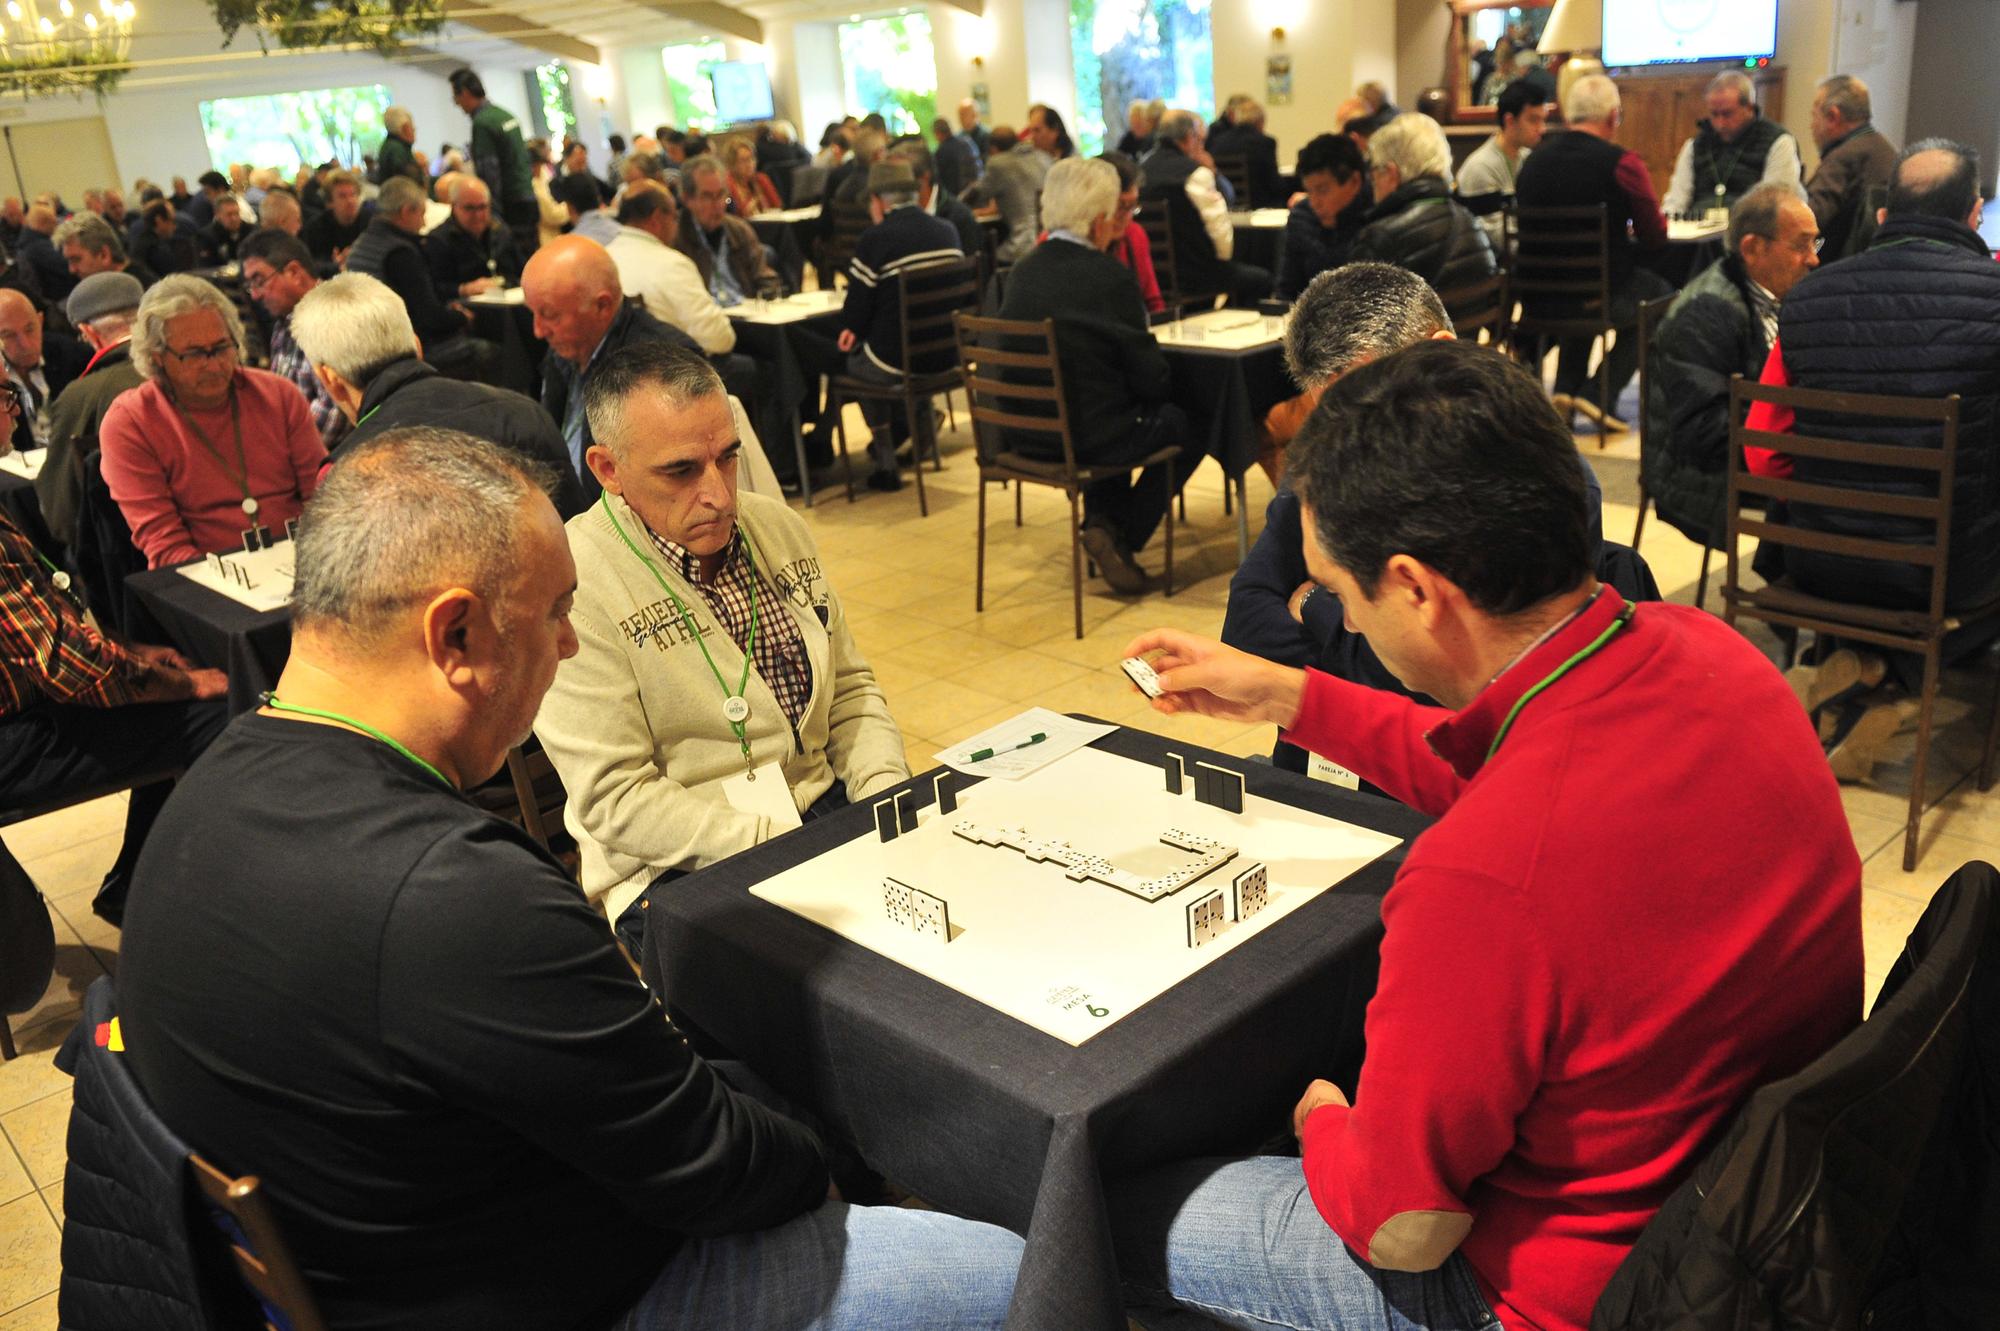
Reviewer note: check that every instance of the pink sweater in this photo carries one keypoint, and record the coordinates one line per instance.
(178, 501)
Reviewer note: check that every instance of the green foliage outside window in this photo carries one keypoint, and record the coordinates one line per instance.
(555, 102)
(688, 86)
(1129, 49)
(287, 129)
(890, 66)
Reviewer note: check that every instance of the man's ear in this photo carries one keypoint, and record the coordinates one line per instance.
(604, 466)
(459, 635)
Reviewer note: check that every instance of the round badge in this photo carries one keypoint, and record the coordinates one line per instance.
(250, 506)
(61, 580)
(735, 710)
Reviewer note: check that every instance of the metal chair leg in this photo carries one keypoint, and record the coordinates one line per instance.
(839, 410)
(1018, 490)
(805, 468)
(1701, 583)
(979, 576)
(1992, 739)
(1076, 559)
(917, 452)
(1917, 771)
(6, 1038)
(1170, 550)
(1640, 525)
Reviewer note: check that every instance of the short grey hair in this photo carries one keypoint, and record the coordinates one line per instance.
(168, 300)
(1415, 145)
(1358, 312)
(90, 231)
(1078, 191)
(1849, 96)
(1736, 81)
(1756, 213)
(1152, 109)
(704, 165)
(398, 193)
(280, 200)
(396, 119)
(355, 326)
(404, 516)
(1176, 125)
(676, 373)
(463, 183)
(1591, 99)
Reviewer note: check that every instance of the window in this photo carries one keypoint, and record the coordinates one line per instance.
(890, 66)
(290, 129)
(687, 66)
(1125, 50)
(555, 106)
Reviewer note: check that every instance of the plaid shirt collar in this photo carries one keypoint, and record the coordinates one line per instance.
(689, 564)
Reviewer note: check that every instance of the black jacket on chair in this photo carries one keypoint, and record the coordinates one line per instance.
(409, 392)
(1917, 314)
(1711, 332)
(1112, 368)
(1259, 152)
(1864, 1191)
(63, 359)
(1422, 228)
(389, 253)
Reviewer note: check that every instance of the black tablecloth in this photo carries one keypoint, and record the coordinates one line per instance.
(1227, 393)
(783, 238)
(991, 1118)
(212, 630)
(512, 328)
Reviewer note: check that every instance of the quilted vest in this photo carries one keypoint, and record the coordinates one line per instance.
(1739, 165)
(1916, 314)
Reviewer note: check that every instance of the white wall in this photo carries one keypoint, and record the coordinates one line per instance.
(1335, 45)
(999, 39)
(1954, 45)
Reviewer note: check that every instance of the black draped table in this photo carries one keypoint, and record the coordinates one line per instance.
(212, 630)
(1229, 370)
(991, 1118)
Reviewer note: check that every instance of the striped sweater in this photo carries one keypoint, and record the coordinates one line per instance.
(904, 238)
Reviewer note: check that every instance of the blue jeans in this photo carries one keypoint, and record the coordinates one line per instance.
(838, 1268)
(1240, 1242)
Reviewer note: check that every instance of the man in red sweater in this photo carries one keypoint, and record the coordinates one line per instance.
(1640, 901)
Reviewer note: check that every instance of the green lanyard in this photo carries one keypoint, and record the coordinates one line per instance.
(735, 710)
(1624, 618)
(271, 701)
(1722, 172)
(242, 474)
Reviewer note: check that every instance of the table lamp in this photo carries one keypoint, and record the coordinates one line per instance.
(1574, 27)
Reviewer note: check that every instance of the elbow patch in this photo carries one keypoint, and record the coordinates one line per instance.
(1418, 1240)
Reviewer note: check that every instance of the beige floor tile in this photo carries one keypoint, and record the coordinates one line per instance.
(1940, 857)
(1886, 922)
(1872, 833)
(53, 1195)
(942, 707)
(881, 631)
(32, 1073)
(37, 1316)
(76, 868)
(65, 828)
(98, 934)
(76, 966)
(40, 1134)
(14, 1180)
(30, 1251)
(1019, 675)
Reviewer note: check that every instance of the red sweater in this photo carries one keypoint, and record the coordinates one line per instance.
(1643, 907)
(180, 503)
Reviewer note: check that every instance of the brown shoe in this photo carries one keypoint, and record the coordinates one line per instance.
(1853, 759)
(1605, 422)
(1843, 672)
(1118, 567)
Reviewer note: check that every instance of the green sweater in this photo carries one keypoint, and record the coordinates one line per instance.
(396, 159)
(501, 159)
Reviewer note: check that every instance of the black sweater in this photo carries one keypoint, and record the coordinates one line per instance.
(400, 1013)
(389, 253)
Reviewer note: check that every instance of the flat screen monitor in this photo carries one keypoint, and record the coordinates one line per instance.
(1667, 32)
(742, 91)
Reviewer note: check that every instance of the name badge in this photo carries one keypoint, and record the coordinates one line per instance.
(765, 793)
(1331, 772)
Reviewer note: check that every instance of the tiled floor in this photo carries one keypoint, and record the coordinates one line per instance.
(949, 671)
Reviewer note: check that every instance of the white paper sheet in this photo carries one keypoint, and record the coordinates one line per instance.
(1065, 736)
(26, 462)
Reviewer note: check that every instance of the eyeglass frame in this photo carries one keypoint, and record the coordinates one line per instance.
(213, 352)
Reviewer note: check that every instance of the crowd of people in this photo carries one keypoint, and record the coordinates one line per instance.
(583, 562)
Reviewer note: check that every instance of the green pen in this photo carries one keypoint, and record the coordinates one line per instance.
(981, 755)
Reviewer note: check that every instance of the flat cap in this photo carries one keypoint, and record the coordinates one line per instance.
(890, 176)
(101, 294)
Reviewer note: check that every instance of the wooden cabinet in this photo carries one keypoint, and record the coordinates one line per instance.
(1661, 108)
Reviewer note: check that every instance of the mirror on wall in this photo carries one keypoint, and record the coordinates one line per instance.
(1492, 44)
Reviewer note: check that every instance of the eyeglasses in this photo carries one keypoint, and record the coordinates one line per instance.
(220, 351)
(254, 283)
(711, 195)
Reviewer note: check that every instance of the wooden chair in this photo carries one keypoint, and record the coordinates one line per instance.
(837, 249)
(1562, 277)
(1782, 603)
(262, 1258)
(1483, 304)
(930, 294)
(529, 794)
(1651, 312)
(988, 347)
(807, 187)
(1156, 218)
(1235, 168)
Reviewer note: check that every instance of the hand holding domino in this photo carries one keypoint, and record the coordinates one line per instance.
(1140, 673)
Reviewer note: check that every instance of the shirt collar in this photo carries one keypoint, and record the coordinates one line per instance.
(1072, 238)
(1464, 738)
(687, 563)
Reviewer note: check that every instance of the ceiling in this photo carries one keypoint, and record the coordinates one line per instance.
(570, 27)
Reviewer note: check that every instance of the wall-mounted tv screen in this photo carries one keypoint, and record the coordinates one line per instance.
(742, 91)
(1665, 32)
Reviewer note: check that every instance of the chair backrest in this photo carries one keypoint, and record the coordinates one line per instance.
(1651, 312)
(850, 219)
(931, 294)
(1482, 304)
(1930, 470)
(263, 1259)
(1235, 168)
(1010, 364)
(1562, 266)
(808, 187)
(104, 550)
(1166, 214)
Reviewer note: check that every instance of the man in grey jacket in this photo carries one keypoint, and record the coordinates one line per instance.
(1855, 161)
(1015, 170)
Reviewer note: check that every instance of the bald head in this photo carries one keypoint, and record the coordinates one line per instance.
(472, 205)
(446, 183)
(20, 330)
(571, 287)
(1935, 178)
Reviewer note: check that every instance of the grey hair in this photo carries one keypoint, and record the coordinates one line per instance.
(168, 300)
(1078, 191)
(90, 231)
(1591, 99)
(112, 326)
(464, 183)
(1358, 312)
(1849, 96)
(650, 166)
(398, 193)
(404, 516)
(704, 165)
(1176, 125)
(396, 119)
(1736, 81)
(1415, 145)
(355, 326)
(285, 201)
(675, 373)
(1756, 213)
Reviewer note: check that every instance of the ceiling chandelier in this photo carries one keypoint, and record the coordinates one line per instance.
(64, 47)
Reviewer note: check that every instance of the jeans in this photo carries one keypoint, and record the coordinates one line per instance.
(1622, 359)
(886, 418)
(1132, 509)
(837, 1268)
(1240, 1242)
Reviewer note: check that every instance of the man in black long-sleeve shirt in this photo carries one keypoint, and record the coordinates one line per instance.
(400, 1013)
